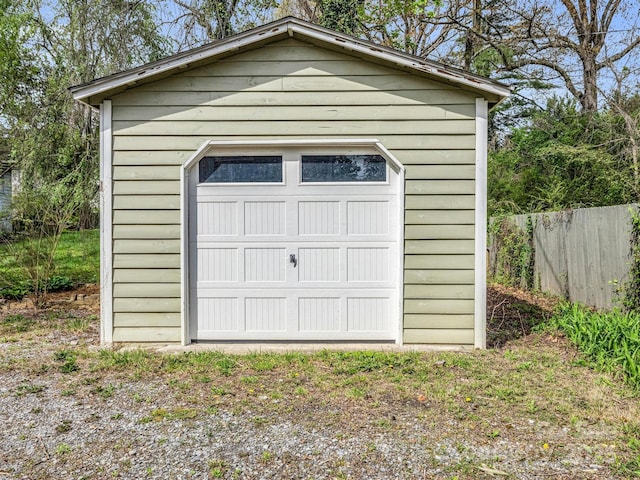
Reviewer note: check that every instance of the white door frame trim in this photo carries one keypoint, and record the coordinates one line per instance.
(480, 310)
(207, 146)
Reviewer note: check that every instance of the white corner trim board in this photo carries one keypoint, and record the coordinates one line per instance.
(480, 312)
(184, 247)
(202, 329)
(106, 224)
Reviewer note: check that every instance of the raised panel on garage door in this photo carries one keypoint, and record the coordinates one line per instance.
(284, 256)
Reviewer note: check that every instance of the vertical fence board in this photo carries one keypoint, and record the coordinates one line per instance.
(581, 254)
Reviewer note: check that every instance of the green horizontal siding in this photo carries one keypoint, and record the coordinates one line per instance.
(292, 90)
(439, 262)
(440, 202)
(151, 334)
(153, 217)
(439, 277)
(145, 261)
(211, 113)
(440, 172)
(447, 336)
(258, 98)
(146, 202)
(430, 232)
(152, 305)
(439, 321)
(166, 319)
(146, 246)
(147, 275)
(193, 142)
(439, 217)
(146, 232)
(146, 290)
(453, 247)
(448, 291)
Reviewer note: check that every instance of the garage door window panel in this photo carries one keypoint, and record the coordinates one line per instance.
(241, 169)
(343, 168)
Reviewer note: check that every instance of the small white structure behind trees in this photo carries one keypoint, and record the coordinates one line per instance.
(9, 180)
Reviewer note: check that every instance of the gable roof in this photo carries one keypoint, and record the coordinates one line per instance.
(94, 92)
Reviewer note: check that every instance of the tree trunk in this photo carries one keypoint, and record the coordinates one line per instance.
(470, 45)
(589, 95)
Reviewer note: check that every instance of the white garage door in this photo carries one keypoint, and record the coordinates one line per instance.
(294, 246)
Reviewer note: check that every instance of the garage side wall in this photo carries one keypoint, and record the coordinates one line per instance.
(294, 90)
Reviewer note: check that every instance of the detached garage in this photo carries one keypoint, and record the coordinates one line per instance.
(292, 183)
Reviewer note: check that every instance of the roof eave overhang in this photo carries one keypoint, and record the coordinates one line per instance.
(94, 92)
(434, 70)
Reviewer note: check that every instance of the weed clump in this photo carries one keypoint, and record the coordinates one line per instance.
(67, 360)
(611, 340)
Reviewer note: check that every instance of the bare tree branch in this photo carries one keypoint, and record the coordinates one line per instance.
(611, 59)
(575, 17)
(610, 10)
(553, 66)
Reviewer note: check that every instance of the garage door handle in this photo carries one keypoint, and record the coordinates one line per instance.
(292, 259)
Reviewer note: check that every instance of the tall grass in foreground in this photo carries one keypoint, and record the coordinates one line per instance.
(610, 339)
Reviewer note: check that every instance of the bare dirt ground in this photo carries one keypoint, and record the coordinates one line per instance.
(513, 313)
(529, 409)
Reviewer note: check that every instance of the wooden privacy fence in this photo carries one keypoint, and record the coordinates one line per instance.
(581, 254)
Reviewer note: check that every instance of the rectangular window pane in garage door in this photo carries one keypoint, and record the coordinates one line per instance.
(241, 169)
(343, 168)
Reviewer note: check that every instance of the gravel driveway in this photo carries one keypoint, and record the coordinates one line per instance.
(87, 425)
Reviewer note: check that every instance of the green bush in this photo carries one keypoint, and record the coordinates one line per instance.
(611, 340)
(59, 283)
(15, 292)
(513, 253)
(19, 290)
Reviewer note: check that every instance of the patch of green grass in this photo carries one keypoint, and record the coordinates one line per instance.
(63, 449)
(219, 391)
(259, 421)
(28, 388)
(226, 365)
(301, 391)
(104, 391)
(80, 324)
(129, 360)
(78, 256)
(67, 360)
(217, 468)
(173, 414)
(356, 393)
(202, 378)
(77, 261)
(63, 427)
(630, 466)
(11, 324)
(350, 363)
